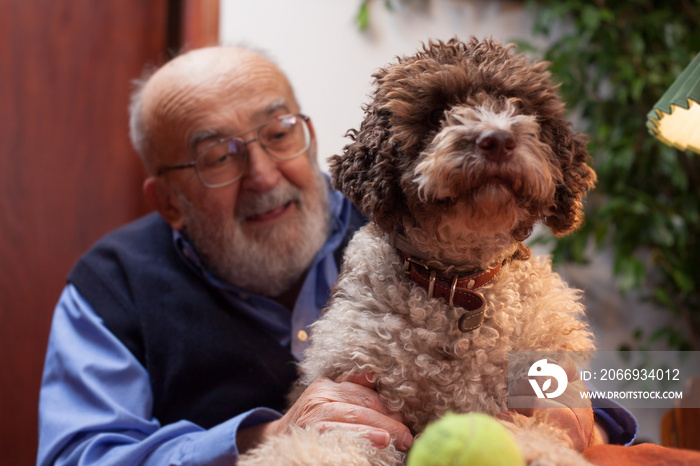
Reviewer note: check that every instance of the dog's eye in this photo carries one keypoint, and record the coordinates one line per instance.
(435, 117)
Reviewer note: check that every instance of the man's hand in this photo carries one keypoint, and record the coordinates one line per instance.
(569, 412)
(349, 403)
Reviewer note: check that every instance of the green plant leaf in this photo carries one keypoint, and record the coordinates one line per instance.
(362, 17)
(683, 281)
(590, 17)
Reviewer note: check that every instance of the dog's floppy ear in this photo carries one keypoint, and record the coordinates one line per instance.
(366, 173)
(569, 148)
(577, 178)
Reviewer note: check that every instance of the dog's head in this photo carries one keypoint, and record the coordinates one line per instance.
(467, 130)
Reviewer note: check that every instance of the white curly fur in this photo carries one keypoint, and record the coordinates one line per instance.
(308, 447)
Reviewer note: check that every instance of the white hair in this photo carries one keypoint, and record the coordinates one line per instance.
(137, 130)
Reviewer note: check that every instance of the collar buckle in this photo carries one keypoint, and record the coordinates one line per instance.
(457, 291)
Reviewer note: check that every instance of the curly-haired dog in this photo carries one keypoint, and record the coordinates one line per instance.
(464, 148)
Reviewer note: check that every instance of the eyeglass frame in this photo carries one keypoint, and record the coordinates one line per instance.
(307, 121)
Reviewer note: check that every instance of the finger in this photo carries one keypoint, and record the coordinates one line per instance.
(378, 437)
(366, 379)
(363, 395)
(361, 417)
(569, 421)
(325, 400)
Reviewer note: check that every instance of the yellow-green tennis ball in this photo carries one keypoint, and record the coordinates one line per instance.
(465, 439)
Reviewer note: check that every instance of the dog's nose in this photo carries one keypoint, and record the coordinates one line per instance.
(496, 145)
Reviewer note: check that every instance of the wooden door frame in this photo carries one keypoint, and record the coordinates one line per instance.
(61, 189)
(193, 24)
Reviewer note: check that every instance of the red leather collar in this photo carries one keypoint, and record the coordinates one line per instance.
(456, 290)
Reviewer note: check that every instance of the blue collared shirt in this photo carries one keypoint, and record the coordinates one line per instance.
(95, 401)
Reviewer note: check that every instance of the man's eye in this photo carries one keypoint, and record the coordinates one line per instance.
(279, 135)
(214, 162)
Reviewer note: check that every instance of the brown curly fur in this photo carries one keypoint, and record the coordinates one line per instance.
(408, 110)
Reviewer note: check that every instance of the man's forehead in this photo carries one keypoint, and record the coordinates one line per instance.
(189, 91)
(217, 65)
(216, 69)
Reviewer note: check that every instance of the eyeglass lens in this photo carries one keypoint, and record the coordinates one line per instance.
(282, 138)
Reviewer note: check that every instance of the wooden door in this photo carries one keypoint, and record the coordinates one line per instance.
(67, 171)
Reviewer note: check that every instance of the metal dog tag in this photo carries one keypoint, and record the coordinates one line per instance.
(472, 319)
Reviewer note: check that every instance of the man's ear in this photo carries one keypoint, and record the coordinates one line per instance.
(162, 198)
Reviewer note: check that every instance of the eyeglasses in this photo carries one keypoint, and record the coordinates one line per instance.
(224, 162)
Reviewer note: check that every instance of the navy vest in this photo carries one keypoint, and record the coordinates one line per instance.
(206, 362)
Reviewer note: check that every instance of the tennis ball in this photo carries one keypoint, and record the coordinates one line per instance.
(465, 439)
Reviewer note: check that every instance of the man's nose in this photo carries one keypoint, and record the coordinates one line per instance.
(262, 173)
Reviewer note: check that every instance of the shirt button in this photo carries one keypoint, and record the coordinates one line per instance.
(302, 335)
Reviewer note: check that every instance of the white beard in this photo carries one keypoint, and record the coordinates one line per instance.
(268, 261)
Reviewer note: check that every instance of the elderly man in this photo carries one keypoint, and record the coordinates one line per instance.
(175, 338)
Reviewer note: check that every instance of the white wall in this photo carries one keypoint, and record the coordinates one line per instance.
(330, 61)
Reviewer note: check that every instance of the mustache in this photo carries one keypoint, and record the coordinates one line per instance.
(251, 204)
